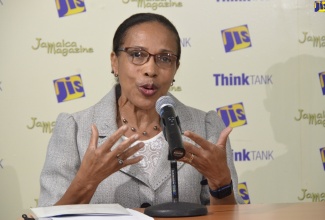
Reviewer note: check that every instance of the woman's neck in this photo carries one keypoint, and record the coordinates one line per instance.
(146, 123)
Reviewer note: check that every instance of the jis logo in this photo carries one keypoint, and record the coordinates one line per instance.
(322, 81)
(236, 38)
(243, 192)
(319, 6)
(322, 154)
(69, 88)
(70, 7)
(233, 115)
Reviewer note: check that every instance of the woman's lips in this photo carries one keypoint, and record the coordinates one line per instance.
(148, 89)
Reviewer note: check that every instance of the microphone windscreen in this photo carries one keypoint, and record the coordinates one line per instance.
(162, 101)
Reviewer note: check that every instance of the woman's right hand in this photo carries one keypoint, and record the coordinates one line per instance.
(100, 162)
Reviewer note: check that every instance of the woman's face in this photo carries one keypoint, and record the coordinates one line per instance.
(142, 85)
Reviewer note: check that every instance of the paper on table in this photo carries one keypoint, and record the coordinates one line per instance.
(82, 209)
(134, 215)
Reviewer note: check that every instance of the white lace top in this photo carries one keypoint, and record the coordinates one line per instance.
(151, 152)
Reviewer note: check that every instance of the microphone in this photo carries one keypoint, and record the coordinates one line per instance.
(172, 132)
(171, 126)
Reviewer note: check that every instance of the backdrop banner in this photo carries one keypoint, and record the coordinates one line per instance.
(260, 64)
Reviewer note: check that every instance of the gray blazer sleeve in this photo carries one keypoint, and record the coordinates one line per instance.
(62, 161)
(214, 126)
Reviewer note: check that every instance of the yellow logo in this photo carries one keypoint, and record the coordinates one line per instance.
(70, 7)
(315, 197)
(243, 192)
(46, 126)
(69, 88)
(322, 80)
(61, 47)
(319, 6)
(312, 118)
(322, 154)
(233, 115)
(236, 38)
(154, 5)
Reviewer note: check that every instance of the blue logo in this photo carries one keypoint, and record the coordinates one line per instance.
(70, 7)
(233, 115)
(319, 6)
(322, 154)
(69, 88)
(243, 79)
(243, 192)
(322, 81)
(246, 155)
(236, 38)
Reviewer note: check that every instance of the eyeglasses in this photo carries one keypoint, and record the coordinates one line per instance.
(138, 56)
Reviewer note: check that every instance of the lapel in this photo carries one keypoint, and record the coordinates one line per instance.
(105, 119)
(104, 116)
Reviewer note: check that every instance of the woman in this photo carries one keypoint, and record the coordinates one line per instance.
(115, 152)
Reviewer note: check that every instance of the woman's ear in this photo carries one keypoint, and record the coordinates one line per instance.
(114, 62)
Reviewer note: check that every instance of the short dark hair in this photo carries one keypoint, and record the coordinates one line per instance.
(140, 18)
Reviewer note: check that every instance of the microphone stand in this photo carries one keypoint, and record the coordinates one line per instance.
(175, 208)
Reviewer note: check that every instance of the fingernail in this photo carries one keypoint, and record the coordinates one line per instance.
(135, 137)
(124, 127)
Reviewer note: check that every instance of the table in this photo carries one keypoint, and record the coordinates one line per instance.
(279, 211)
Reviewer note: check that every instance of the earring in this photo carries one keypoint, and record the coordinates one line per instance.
(115, 74)
(172, 82)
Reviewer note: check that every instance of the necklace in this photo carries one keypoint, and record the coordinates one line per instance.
(124, 121)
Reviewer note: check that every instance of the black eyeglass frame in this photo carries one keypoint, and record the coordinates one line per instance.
(155, 56)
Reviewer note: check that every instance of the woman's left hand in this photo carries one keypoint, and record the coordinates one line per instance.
(208, 158)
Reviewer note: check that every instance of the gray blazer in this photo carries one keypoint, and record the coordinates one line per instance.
(129, 186)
